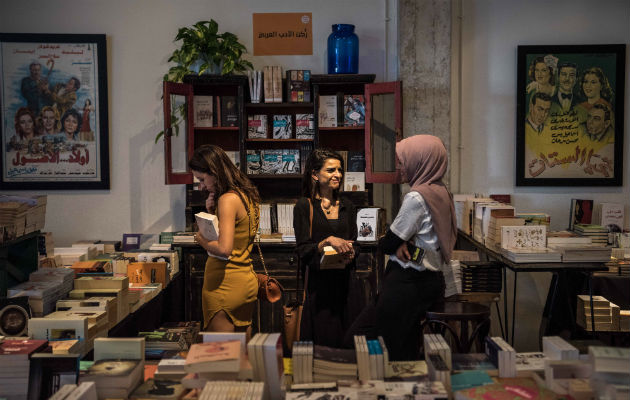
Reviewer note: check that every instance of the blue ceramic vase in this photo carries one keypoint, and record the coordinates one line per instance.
(343, 50)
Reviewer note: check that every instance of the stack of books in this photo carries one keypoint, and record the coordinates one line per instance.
(610, 371)
(523, 244)
(438, 370)
(481, 278)
(158, 341)
(153, 388)
(556, 348)
(597, 233)
(493, 238)
(70, 391)
(607, 315)
(15, 364)
(20, 215)
(234, 389)
(435, 344)
(582, 252)
(502, 355)
(114, 378)
(330, 364)
(42, 295)
(302, 363)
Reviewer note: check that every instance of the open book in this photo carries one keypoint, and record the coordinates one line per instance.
(209, 227)
(331, 259)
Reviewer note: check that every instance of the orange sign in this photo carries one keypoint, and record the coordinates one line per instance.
(277, 34)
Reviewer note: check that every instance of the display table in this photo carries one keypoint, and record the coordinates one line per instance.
(587, 268)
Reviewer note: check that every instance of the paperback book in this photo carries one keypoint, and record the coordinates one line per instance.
(282, 126)
(229, 111)
(304, 126)
(257, 126)
(354, 110)
(203, 111)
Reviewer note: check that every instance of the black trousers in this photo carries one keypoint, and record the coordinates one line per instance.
(407, 295)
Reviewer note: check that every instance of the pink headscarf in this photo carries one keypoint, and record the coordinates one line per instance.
(424, 161)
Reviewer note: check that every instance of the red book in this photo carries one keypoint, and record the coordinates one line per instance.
(16, 350)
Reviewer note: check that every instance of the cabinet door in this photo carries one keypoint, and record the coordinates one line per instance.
(178, 132)
(383, 128)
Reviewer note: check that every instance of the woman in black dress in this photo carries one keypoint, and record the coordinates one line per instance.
(326, 316)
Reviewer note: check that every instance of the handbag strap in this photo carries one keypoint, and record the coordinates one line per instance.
(256, 239)
(262, 259)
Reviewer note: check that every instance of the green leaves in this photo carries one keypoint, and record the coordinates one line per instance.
(203, 42)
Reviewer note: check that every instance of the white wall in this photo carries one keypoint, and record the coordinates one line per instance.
(492, 29)
(140, 37)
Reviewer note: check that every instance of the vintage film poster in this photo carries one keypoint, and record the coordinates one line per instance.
(53, 111)
(570, 115)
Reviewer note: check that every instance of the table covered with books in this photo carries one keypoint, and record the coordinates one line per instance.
(467, 241)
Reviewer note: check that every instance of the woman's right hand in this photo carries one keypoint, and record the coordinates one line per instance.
(340, 245)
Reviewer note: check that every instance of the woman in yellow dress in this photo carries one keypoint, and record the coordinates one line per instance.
(230, 286)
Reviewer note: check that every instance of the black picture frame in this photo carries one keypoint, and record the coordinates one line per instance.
(573, 137)
(54, 122)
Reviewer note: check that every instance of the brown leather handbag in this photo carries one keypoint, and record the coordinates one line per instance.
(292, 312)
(269, 289)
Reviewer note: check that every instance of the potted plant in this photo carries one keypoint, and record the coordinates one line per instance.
(203, 51)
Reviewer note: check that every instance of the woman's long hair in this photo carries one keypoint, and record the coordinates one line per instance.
(212, 160)
(314, 163)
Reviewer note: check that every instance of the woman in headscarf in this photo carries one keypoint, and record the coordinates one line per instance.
(419, 243)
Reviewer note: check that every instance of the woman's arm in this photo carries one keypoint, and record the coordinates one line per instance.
(306, 247)
(228, 206)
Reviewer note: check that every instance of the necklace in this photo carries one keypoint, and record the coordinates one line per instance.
(328, 209)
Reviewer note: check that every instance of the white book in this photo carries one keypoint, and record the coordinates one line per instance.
(367, 224)
(225, 336)
(386, 372)
(107, 348)
(274, 367)
(327, 111)
(85, 391)
(208, 225)
(203, 111)
(524, 237)
(63, 391)
(354, 182)
(251, 355)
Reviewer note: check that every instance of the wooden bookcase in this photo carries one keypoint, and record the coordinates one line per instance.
(278, 187)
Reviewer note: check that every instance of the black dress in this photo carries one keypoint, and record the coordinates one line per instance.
(328, 310)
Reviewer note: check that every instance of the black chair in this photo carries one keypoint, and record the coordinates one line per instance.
(440, 319)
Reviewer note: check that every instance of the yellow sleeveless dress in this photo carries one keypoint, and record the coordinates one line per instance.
(231, 285)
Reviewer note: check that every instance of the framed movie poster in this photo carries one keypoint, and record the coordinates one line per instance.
(53, 112)
(570, 104)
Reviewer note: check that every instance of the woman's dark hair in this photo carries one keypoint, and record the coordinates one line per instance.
(212, 160)
(75, 114)
(314, 163)
(532, 70)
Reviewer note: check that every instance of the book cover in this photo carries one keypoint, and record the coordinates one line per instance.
(148, 272)
(291, 161)
(304, 126)
(298, 86)
(257, 126)
(282, 127)
(331, 259)
(354, 182)
(203, 111)
(355, 161)
(611, 216)
(581, 212)
(254, 162)
(235, 157)
(214, 356)
(327, 111)
(158, 389)
(524, 237)
(354, 110)
(271, 162)
(208, 225)
(229, 111)
(20, 349)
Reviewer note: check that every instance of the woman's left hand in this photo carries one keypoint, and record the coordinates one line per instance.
(402, 253)
(199, 238)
